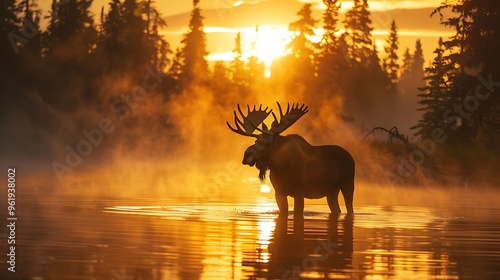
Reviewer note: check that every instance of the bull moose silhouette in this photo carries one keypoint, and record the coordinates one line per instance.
(297, 169)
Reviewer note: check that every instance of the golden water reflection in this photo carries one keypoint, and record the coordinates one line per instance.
(68, 238)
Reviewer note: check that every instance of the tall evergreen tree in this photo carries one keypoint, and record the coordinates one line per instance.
(300, 46)
(434, 97)
(111, 37)
(391, 64)
(375, 75)
(11, 38)
(194, 65)
(331, 59)
(474, 48)
(237, 65)
(160, 48)
(301, 52)
(417, 67)
(138, 52)
(412, 71)
(71, 35)
(358, 27)
(407, 66)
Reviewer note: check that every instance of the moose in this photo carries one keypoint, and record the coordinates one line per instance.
(297, 169)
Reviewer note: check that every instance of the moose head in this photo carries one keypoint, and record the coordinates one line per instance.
(257, 153)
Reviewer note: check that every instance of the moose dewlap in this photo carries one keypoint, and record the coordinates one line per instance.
(297, 168)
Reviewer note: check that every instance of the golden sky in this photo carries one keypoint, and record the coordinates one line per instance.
(224, 18)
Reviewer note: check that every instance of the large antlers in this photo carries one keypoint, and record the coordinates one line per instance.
(255, 117)
(249, 124)
(288, 118)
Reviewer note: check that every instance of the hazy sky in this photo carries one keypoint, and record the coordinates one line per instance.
(176, 6)
(272, 38)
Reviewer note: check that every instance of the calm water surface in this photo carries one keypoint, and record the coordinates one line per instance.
(132, 239)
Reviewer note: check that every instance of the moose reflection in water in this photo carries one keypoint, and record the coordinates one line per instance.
(297, 169)
(296, 253)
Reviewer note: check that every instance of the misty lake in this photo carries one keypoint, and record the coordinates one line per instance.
(68, 237)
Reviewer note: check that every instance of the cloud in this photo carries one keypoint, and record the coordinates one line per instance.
(383, 5)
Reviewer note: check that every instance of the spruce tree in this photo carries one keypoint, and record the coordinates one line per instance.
(11, 37)
(137, 51)
(296, 71)
(331, 59)
(110, 42)
(160, 48)
(300, 46)
(194, 65)
(434, 97)
(357, 24)
(237, 65)
(391, 64)
(71, 35)
(417, 67)
(406, 67)
(474, 49)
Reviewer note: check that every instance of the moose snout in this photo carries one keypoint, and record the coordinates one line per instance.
(250, 156)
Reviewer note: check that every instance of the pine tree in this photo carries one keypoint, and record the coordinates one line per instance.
(71, 35)
(11, 43)
(329, 41)
(31, 26)
(417, 67)
(474, 49)
(160, 48)
(358, 27)
(434, 97)
(175, 72)
(331, 59)
(406, 67)
(296, 71)
(391, 64)
(194, 64)
(11, 38)
(376, 76)
(222, 84)
(237, 65)
(300, 46)
(412, 71)
(111, 39)
(137, 51)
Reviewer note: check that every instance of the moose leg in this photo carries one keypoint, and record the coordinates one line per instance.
(298, 206)
(333, 202)
(348, 193)
(282, 204)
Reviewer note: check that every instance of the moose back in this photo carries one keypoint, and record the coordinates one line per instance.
(297, 169)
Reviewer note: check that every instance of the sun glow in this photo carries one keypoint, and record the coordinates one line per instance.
(265, 188)
(270, 43)
(264, 42)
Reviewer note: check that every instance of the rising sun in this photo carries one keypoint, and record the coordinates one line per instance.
(270, 43)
